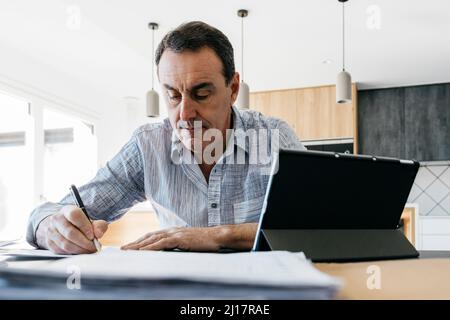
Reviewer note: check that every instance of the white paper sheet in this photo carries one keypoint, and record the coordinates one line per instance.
(4, 243)
(273, 268)
(32, 253)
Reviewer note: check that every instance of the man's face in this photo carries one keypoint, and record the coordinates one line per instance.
(194, 89)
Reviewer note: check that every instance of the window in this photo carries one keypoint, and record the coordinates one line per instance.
(16, 165)
(70, 154)
(43, 150)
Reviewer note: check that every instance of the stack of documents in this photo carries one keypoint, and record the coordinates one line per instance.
(32, 253)
(116, 274)
(4, 243)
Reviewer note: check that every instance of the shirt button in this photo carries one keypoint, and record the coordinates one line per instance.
(213, 205)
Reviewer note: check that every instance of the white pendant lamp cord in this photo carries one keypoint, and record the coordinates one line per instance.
(242, 48)
(343, 36)
(153, 57)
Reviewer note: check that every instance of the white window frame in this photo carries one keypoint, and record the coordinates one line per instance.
(38, 100)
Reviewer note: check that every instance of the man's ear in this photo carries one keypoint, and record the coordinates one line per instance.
(234, 84)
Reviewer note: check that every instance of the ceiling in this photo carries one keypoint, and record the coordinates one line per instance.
(286, 41)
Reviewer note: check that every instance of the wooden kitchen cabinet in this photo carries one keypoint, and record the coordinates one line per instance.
(312, 112)
(279, 104)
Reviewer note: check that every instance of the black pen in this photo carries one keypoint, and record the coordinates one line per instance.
(80, 204)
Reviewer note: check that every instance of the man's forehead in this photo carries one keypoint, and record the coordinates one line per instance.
(189, 67)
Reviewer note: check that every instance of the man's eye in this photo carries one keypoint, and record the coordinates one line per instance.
(173, 97)
(201, 95)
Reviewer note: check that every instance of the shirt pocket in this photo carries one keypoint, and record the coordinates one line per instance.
(248, 211)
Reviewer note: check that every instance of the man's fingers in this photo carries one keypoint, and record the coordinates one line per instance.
(51, 245)
(66, 245)
(136, 244)
(153, 238)
(68, 231)
(79, 220)
(149, 238)
(163, 244)
(100, 227)
(130, 246)
(150, 234)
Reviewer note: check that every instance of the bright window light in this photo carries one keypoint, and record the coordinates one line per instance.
(16, 167)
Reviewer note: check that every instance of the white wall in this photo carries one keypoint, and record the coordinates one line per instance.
(434, 233)
(21, 75)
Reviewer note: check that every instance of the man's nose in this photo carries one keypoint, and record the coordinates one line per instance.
(187, 109)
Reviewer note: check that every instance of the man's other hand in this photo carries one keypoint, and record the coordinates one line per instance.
(237, 237)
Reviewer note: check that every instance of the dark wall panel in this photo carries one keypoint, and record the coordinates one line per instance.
(408, 122)
(427, 122)
(380, 122)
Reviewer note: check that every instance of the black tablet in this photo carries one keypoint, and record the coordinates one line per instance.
(316, 198)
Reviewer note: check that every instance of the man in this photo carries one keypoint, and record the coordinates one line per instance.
(203, 203)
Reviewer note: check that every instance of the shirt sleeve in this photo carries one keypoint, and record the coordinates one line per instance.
(288, 138)
(115, 188)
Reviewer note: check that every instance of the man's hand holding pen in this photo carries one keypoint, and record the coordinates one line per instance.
(70, 232)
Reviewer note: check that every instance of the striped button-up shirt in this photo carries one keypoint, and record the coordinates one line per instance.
(154, 165)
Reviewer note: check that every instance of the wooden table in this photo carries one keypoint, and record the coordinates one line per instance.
(425, 278)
